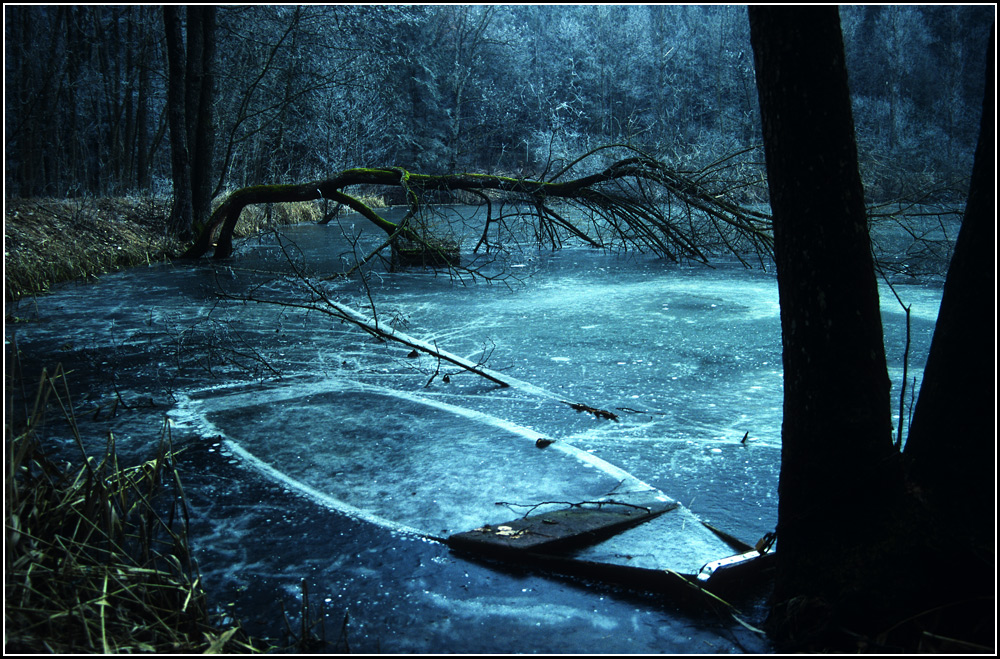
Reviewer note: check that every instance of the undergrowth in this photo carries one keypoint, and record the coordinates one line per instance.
(47, 241)
(97, 558)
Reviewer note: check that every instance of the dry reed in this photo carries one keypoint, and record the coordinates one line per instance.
(47, 241)
(263, 217)
(97, 559)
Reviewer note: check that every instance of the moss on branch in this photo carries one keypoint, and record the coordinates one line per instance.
(627, 197)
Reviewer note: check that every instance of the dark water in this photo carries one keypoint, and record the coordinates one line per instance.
(297, 472)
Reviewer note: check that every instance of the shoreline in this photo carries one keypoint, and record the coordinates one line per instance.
(49, 241)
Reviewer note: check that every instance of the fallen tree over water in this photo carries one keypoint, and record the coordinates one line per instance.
(638, 201)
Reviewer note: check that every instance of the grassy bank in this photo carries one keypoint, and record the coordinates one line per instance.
(97, 559)
(47, 241)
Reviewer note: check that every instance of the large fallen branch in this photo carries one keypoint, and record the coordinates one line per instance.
(319, 301)
(345, 313)
(631, 202)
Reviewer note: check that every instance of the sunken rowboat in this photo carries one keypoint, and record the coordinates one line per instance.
(439, 468)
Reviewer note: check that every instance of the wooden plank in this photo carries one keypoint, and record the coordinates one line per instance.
(681, 589)
(560, 529)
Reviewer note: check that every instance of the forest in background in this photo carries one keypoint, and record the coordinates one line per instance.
(301, 92)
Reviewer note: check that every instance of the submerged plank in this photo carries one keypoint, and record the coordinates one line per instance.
(561, 529)
(696, 591)
(628, 542)
(677, 541)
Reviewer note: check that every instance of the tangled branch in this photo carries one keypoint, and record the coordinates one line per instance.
(636, 201)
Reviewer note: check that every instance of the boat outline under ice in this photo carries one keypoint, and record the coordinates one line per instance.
(620, 536)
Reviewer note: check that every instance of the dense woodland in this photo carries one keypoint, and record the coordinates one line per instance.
(301, 92)
(101, 100)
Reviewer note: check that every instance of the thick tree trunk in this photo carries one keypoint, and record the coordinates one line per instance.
(839, 469)
(225, 217)
(190, 87)
(951, 447)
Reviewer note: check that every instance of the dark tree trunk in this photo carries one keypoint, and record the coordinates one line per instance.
(952, 437)
(142, 145)
(189, 109)
(855, 552)
(839, 468)
(182, 216)
(199, 113)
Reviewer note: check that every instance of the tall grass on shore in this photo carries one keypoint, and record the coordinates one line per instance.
(47, 241)
(97, 559)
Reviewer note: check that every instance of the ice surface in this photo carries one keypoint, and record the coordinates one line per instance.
(387, 457)
(688, 357)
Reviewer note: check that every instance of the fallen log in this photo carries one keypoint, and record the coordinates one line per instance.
(617, 195)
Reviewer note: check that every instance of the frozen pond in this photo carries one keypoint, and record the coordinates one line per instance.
(314, 452)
